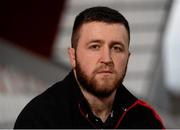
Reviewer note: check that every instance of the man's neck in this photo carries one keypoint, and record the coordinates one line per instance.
(101, 107)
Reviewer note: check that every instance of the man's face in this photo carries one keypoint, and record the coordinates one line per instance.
(101, 57)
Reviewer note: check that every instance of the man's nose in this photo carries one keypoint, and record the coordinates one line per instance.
(106, 56)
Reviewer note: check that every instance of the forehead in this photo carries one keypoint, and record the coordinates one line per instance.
(102, 30)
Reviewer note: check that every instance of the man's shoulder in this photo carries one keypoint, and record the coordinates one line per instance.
(54, 95)
(52, 104)
(144, 114)
(59, 89)
(59, 92)
(138, 111)
(144, 107)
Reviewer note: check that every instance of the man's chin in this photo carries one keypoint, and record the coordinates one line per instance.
(102, 93)
(105, 87)
(105, 80)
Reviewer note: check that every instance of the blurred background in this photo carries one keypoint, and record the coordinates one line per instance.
(35, 35)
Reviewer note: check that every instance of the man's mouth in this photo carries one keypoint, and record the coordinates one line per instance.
(105, 72)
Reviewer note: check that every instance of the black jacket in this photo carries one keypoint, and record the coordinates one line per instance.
(61, 106)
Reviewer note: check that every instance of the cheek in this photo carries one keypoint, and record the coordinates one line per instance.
(120, 64)
(87, 62)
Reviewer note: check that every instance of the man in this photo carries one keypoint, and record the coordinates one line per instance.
(92, 95)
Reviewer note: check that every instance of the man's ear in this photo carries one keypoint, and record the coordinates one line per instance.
(129, 54)
(71, 52)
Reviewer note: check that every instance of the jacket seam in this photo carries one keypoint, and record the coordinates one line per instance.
(124, 113)
(153, 111)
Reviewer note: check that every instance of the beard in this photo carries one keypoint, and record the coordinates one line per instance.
(92, 85)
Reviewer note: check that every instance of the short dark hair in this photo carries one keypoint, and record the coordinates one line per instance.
(99, 14)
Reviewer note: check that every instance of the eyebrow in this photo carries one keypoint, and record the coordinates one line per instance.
(95, 40)
(111, 44)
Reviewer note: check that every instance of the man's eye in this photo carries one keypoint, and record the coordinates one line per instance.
(117, 49)
(94, 47)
